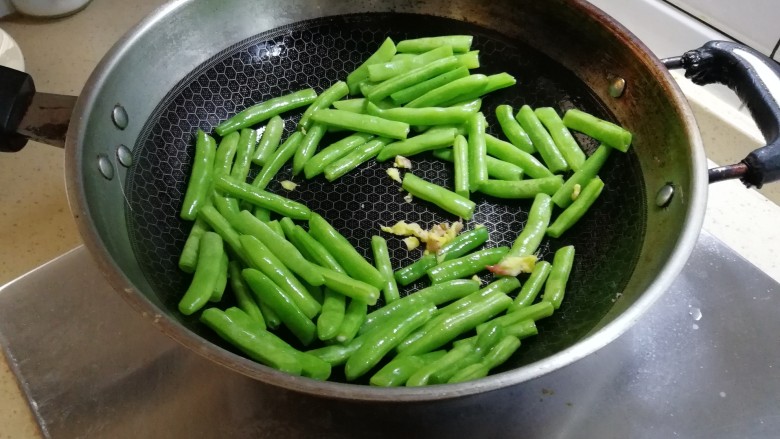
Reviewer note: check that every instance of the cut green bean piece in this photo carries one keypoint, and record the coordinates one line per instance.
(384, 53)
(337, 354)
(423, 116)
(415, 76)
(319, 254)
(512, 129)
(262, 213)
(509, 153)
(459, 43)
(397, 372)
(527, 242)
(274, 225)
(276, 203)
(244, 298)
(357, 105)
(555, 288)
(188, 259)
(492, 83)
(577, 209)
(354, 317)
(415, 91)
(269, 141)
(466, 266)
(429, 140)
(226, 151)
(332, 315)
(607, 132)
(382, 261)
(452, 91)
(521, 330)
(469, 60)
(222, 279)
(199, 185)
(244, 151)
(564, 196)
(277, 160)
(226, 206)
(463, 244)
(348, 286)
(317, 164)
(460, 152)
(563, 139)
(534, 312)
(541, 139)
(355, 158)
(206, 274)
(219, 224)
(477, 151)
(308, 146)
(324, 100)
(415, 270)
(498, 169)
(266, 110)
(521, 189)
(383, 71)
(442, 197)
(362, 123)
(532, 286)
(422, 376)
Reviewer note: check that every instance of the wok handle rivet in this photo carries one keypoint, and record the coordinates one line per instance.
(664, 195)
(124, 156)
(616, 87)
(119, 117)
(105, 167)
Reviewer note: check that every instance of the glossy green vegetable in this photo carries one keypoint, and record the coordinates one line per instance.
(555, 288)
(477, 151)
(463, 244)
(460, 153)
(452, 91)
(384, 53)
(336, 354)
(541, 139)
(470, 59)
(459, 43)
(354, 317)
(355, 158)
(226, 151)
(226, 206)
(534, 312)
(498, 169)
(199, 186)
(577, 209)
(509, 153)
(415, 91)
(444, 198)
(512, 129)
(397, 371)
(276, 203)
(431, 139)
(308, 146)
(222, 279)
(497, 356)
(188, 259)
(206, 274)
(362, 123)
(422, 376)
(563, 197)
(532, 286)
(277, 160)
(382, 261)
(324, 100)
(220, 225)
(415, 76)
(269, 141)
(317, 164)
(348, 286)
(539, 216)
(243, 295)
(244, 151)
(415, 270)
(332, 315)
(565, 142)
(522, 188)
(395, 67)
(266, 110)
(466, 266)
(356, 105)
(423, 116)
(601, 130)
(491, 84)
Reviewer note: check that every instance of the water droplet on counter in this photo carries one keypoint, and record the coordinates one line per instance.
(695, 313)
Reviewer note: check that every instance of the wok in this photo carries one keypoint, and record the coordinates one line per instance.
(191, 64)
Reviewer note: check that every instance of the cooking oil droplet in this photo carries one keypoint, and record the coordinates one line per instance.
(695, 313)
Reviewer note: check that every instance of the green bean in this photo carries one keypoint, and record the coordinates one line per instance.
(269, 141)
(273, 225)
(521, 330)
(319, 254)
(397, 372)
(460, 152)
(254, 344)
(577, 209)
(244, 151)
(308, 146)
(292, 316)
(199, 186)
(422, 376)
(226, 151)
(337, 354)
(206, 274)
(432, 139)
(317, 164)
(534, 312)
(496, 357)
(311, 366)
(277, 160)
(222, 278)
(509, 153)
(332, 315)
(444, 198)
(341, 249)
(522, 188)
(348, 286)
(381, 340)
(269, 315)
(563, 197)
(450, 92)
(541, 139)
(226, 206)
(468, 265)
(532, 286)
(415, 91)
(563, 139)
(423, 116)
(415, 76)
(492, 83)
(220, 225)
(262, 259)
(480, 346)
(607, 132)
(324, 100)
(189, 254)
(459, 43)
(244, 298)
(283, 249)
(470, 59)
(477, 150)
(555, 288)
(383, 54)
(357, 105)
(529, 239)
(383, 71)
(458, 323)
(354, 317)
(266, 110)
(362, 123)
(382, 261)
(496, 168)
(261, 213)
(355, 158)
(512, 129)
(275, 203)
(462, 244)
(415, 270)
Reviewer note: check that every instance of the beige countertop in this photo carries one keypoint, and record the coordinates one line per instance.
(36, 224)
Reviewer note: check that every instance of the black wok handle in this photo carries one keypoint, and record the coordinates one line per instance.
(16, 93)
(755, 78)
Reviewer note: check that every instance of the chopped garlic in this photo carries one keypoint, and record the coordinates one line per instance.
(402, 162)
(576, 191)
(476, 278)
(411, 242)
(514, 265)
(408, 198)
(289, 185)
(394, 174)
(434, 239)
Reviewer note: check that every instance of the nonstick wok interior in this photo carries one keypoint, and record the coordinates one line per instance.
(319, 52)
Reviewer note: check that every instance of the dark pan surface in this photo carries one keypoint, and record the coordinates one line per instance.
(318, 53)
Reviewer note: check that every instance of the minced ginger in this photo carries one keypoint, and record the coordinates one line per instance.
(434, 239)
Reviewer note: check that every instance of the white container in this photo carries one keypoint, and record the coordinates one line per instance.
(49, 8)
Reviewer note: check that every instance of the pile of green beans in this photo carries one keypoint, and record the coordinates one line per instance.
(286, 266)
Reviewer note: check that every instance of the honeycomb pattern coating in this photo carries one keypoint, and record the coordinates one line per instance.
(316, 54)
